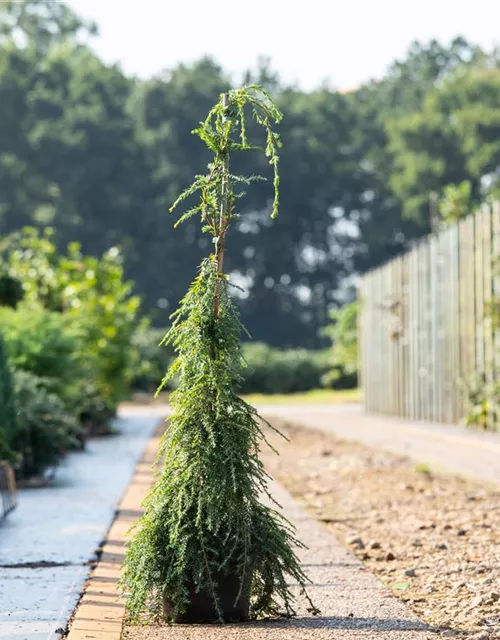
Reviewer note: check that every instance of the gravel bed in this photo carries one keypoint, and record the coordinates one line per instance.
(433, 538)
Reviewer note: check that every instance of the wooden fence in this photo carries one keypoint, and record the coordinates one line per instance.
(426, 321)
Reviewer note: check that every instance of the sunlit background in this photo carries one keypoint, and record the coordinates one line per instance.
(341, 44)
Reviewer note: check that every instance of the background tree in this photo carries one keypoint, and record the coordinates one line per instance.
(343, 333)
(452, 139)
(99, 155)
(456, 202)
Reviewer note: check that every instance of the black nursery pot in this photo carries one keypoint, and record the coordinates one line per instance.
(202, 607)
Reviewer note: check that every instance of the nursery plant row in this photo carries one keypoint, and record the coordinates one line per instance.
(67, 352)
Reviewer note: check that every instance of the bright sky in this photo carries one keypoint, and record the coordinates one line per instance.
(342, 42)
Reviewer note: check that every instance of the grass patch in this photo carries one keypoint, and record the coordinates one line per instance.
(316, 396)
(423, 467)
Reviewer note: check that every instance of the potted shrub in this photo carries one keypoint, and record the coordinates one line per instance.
(206, 548)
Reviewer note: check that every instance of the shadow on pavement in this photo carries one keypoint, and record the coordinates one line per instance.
(340, 622)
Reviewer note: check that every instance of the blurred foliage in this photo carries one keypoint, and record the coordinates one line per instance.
(483, 394)
(100, 156)
(272, 370)
(483, 398)
(92, 296)
(70, 328)
(7, 406)
(45, 429)
(452, 139)
(38, 422)
(343, 333)
(456, 202)
(153, 359)
(46, 344)
(268, 370)
(11, 291)
(39, 23)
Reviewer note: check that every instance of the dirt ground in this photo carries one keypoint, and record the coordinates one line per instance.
(434, 539)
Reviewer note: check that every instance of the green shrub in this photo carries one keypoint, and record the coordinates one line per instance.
(483, 401)
(44, 428)
(271, 370)
(48, 378)
(7, 406)
(94, 296)
(45, 344)
(31, 259)
(343, 332)
(100, 302)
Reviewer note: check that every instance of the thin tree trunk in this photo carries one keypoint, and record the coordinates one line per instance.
(221, 240)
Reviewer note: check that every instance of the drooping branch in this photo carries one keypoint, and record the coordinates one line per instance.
(224, 132)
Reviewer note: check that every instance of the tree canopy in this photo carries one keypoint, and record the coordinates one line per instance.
(100, 157)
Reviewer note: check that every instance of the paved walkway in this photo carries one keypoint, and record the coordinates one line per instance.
(48, 541)
(444, 447)
(354, 604)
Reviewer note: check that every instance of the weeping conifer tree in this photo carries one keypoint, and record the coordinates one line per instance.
(204, 519)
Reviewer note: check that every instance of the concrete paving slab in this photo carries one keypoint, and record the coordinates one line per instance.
(37, 602)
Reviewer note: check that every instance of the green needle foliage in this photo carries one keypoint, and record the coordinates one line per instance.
(204, 516)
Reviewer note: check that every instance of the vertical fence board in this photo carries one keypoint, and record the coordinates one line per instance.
(367, 349)
(427, 316)
(439, 313)
(420, 329)
(468, 274)
(479, 292)
(396, 336)
(381, 366)
(464, 304)
(495, 230)
(434, 322)
(454, 400)
(487, 295)
(404, 335)
(412, 332)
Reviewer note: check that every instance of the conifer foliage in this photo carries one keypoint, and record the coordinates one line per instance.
(204, 517)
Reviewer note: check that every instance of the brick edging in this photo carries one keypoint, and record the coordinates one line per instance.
(101, 610)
